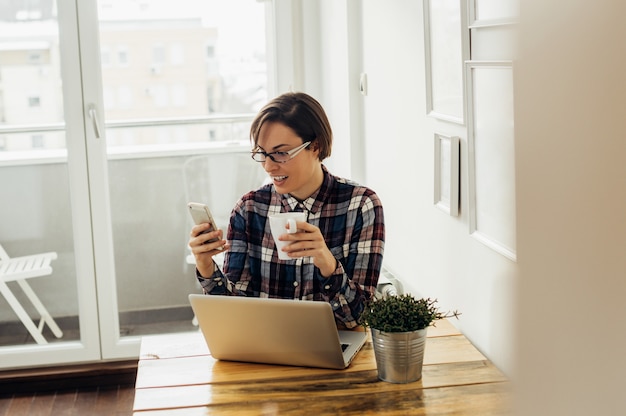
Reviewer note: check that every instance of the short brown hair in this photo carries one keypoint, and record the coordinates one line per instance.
(301, 113)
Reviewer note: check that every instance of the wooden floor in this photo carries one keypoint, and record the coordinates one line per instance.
(88, 389)
(93, 401)
(92, 389)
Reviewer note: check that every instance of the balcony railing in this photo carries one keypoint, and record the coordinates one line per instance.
(226, 143)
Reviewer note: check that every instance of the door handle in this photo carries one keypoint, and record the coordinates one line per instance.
(363, 83)
(94, 120)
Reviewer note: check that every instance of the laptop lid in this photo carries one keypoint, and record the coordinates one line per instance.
(274, 331)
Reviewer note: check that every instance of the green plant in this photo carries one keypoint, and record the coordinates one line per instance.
(402, 313)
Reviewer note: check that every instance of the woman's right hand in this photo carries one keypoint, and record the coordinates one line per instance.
(204, 251)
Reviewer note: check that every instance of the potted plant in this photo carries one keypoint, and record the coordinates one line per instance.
(399, 325)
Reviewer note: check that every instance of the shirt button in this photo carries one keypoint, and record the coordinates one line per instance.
(327, 287)
(295, 284)
(220, 283)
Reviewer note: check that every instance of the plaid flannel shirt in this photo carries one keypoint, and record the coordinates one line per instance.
(350, 218)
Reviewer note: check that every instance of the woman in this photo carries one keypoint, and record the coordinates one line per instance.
(336, 255)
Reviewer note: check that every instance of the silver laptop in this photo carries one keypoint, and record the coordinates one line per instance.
(274, 331)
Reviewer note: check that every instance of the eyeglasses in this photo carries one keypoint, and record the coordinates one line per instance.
(278, 157)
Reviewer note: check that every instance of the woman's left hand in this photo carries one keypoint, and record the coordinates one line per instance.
(309, 242)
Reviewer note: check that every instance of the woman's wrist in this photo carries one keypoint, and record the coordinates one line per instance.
(330, 270)
(207, 270)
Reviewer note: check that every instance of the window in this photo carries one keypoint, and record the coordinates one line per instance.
(34, 101)
(124, 97)
(159, 95)
(105, 56)
(177, 54)
(122, 56)
(148, 125)
(108, 98)
(210, 52)
(158, 55)
(37, 141)
(179, 95)
(210, 99)
(34, 57)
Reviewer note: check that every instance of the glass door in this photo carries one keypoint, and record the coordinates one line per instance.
(113, 115)
(175, 86)
(47, 280)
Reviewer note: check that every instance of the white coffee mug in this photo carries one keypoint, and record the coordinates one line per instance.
(278, 225)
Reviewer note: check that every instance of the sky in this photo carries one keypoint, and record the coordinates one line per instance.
(237, 20)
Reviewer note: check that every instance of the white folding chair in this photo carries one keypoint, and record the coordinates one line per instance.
(18, 269)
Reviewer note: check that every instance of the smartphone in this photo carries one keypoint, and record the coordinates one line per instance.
(201, 214)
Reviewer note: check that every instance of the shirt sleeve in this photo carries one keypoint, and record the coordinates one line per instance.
(356, 276)
(216, 284)
(234, 264)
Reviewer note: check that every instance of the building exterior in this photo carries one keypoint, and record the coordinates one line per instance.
(158, 61)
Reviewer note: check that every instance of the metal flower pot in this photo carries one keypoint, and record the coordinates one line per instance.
(399, 355)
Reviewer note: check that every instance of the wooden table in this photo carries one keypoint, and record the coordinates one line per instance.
(178, 376)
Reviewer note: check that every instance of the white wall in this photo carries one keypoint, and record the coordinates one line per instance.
(430, 251)
(571, 189)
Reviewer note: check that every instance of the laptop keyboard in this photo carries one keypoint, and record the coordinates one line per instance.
(344, 346)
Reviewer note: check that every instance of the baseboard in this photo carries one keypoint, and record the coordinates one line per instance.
(69, 377)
